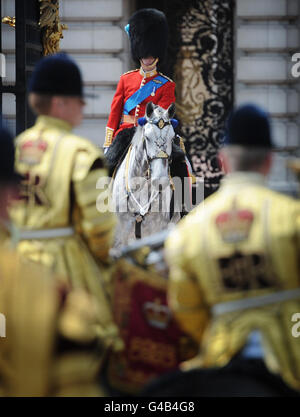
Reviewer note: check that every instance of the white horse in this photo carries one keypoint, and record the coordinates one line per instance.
(142, 187)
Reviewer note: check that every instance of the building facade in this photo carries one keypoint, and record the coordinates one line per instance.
(221, 53)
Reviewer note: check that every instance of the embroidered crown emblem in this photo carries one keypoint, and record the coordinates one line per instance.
(157, 314)
(234, 225)
(32, 151)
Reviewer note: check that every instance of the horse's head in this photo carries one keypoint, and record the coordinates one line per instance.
(158, 131)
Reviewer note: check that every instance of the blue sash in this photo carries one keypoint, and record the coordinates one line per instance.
(144, 92)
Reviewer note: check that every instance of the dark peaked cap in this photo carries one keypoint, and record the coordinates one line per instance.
(248, 125)
(148, 33)
(56, 74)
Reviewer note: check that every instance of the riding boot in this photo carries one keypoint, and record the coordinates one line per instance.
(118, 149)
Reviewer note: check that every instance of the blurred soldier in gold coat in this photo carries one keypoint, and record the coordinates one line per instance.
(58, 223)
(235, 275)
(49, 344)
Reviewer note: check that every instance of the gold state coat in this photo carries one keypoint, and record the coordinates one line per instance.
(242, 242)
(48, 342)
(59, 194)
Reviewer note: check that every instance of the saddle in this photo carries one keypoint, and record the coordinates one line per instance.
(119, 148)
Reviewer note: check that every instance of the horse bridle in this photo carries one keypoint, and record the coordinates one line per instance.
(161, 123)
(161, 155)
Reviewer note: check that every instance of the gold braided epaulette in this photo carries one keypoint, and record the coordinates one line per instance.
(163, 75)
(128, 72)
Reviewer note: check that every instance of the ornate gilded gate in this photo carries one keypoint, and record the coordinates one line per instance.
(37, 31)
(28, 50)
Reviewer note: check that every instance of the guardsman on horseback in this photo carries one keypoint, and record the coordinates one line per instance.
(148, 33)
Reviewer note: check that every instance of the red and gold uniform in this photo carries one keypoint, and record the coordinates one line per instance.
(129, 83)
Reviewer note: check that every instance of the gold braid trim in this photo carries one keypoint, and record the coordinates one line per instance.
(128, 72)
(108, 137)
(163, 75)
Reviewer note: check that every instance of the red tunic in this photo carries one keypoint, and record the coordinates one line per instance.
(129, 83)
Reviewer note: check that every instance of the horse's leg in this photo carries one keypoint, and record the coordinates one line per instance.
(125, 231)
(128, 229)
(175, 218)
(118, 236)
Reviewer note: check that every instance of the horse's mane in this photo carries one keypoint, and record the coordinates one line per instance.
(137, 136)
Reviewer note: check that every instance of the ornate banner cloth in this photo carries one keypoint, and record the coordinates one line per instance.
(154, 344)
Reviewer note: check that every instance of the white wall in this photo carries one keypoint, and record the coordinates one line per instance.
(8, 48)
(97, 41)
(267, 35)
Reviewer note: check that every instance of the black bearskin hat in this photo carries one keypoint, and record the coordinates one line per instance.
(148, 34)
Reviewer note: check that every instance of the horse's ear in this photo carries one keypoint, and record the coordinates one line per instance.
(149, 109)
(171, 111)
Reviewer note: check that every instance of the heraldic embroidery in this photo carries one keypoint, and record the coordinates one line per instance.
(241, 271)
(32, 191)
